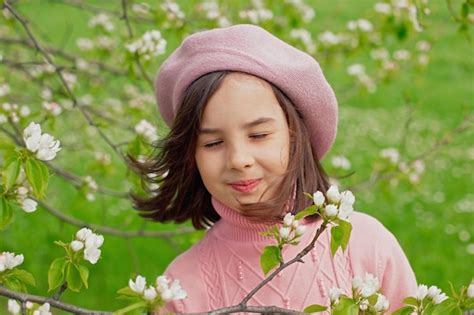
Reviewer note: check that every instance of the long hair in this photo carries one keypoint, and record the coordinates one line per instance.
(181, 194)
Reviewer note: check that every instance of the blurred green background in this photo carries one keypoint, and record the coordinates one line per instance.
(433, 219)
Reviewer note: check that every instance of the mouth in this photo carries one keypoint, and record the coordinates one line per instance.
(245, 186)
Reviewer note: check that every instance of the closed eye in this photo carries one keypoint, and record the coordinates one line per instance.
(257, 136)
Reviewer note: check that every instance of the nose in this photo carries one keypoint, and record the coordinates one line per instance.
(239, 156)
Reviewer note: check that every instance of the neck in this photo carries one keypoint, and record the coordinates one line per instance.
(233, 225)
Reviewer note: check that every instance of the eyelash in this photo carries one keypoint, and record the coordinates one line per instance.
(256, 136)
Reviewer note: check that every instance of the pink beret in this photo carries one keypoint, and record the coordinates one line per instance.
(253, 50)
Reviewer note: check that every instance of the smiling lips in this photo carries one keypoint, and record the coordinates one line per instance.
(245, 186)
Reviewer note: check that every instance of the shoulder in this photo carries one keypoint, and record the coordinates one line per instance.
(366, 228)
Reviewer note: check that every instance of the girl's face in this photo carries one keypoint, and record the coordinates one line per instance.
(243, 144)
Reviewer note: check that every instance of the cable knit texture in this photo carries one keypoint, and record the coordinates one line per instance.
(224, 266)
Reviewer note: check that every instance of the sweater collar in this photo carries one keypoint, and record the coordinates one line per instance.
(236, 227)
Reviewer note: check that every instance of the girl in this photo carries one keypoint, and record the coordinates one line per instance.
(250, 118)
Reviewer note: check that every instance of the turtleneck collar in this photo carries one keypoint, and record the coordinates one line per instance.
(234, 226)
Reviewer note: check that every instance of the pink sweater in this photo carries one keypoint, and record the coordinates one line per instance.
(224, 266)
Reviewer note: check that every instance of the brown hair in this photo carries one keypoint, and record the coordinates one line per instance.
(181, 195)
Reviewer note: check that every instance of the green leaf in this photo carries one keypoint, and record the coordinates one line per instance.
(14, 284)
(270, 258)
(469, 303)
(305, 212)
(346, 306)
(464, 10)
(347, 229)
(56, 273)
(406, 310)
(6, 214)
(73, 278)
(337, 235)
(37, 177)
(448, 306)
(23, 276)
(315, 308)
(410, 301)
(11, 174)
(129, 308)
(84, 273)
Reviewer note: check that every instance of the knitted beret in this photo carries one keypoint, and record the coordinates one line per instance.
(253, 50)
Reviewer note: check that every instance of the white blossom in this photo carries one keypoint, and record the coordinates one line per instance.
(92, 254)
(77, 245)
(440, 298)
(333, 194)
(150, 293)
(470, 290)
(383, 8)
(382, 303)
(13, 307)
(401, 54)
(25, 111)
(370, 285)
(390, 154)
(356, 282)
(168, 293)
(341, 162)
(285, 232)
(3, 119)
(364, 305)
(288, 219)
(173, 10)
(83, 233)
(102, 20)
(305, 37)
(9, 260)
(53, 108)
(147, 130)
(138, 285)
(334, 294)
(300, 230)
(331, 210)
(356, 69)
(43, 310)
(43, 145)
(4, 89)
(85, 44)
(421, 292)
(318, 198)
(151, 44)
(29, 205)
(423, 46)
(379, 54)
(162, 283)
(328, 38)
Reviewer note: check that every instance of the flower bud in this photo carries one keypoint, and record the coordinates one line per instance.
(421, 292)
(300, 230)
(318, 198)
(138, 285)
(83, 233)
(330, 210)
(288, 219)
(439, 298)
(333, 194)
(284, 232)
(13, 307)
(334, 294)
(356, 282)
(150, 294)
(77, 245)
(382, 303)
(470, 290)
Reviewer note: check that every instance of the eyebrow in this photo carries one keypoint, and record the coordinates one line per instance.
(256, 122)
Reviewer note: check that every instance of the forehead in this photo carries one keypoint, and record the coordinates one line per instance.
(240, 98)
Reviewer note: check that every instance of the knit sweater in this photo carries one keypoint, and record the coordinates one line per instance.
(224, 266)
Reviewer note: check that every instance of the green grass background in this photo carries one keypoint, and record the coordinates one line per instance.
(427, 219)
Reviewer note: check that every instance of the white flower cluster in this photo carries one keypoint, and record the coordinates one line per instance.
(433, 293)
(9, 260)
(399, 8)
(103, 21)
(413, 171)
(102, 42)
(15, 309)
(258, 15)
(357, 70)
(305, 10)
(328, 38)
(211, 8)
(53, 108)
(340, 161)
(338, 204)
(142, 8)
(27, 204)
(137, 98)
(103, 158)
(40, 70)
(305, 37)
(91, 241)
(14, 112)
(151, 44)
(291, 228)
(173, 11)
(364, 288)
(43, 145)
(91, 186)
(362, 25)
(147, 130)
(166, 289)
(4, 89)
